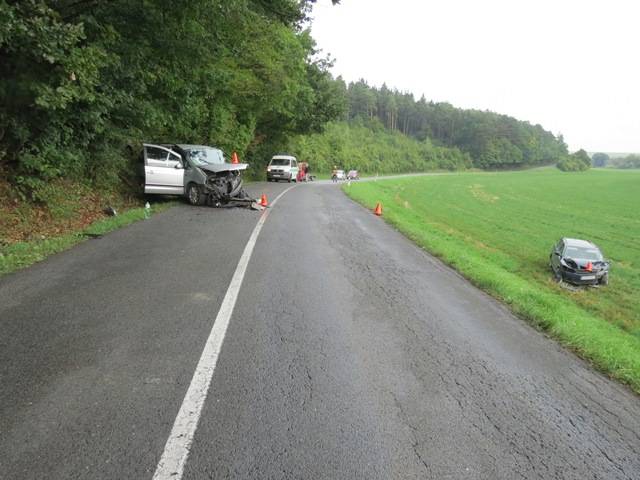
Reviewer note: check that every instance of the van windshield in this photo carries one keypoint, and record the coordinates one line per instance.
(206, 156)
(280, 162)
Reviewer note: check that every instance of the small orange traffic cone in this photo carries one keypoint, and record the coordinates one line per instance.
(263, 201)
(234, 158)
(378, 209)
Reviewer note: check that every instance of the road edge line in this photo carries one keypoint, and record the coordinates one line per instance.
(177, 448)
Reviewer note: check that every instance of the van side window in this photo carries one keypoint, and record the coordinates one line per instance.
(294, 163)
(174, 159)
(155, 156)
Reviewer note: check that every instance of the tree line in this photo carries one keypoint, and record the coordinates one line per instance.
(493, 140)
(629, 161)
(369, 147)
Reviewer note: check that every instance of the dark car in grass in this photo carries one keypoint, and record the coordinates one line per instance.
(579, 262)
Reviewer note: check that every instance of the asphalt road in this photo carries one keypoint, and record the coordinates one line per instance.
(351, 354)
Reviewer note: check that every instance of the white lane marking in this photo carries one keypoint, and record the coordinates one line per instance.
(176, 450)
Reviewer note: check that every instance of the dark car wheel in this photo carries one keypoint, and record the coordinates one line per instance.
(194, 195)
(604, 280)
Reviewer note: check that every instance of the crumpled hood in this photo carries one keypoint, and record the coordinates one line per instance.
(224, 167)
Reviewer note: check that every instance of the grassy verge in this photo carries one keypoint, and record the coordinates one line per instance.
(497, 230)
(22, 254)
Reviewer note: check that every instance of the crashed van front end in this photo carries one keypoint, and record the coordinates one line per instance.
(223, 183)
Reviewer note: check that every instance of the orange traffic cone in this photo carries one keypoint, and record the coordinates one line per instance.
(234, 158)
(378, 209)
(263, 201)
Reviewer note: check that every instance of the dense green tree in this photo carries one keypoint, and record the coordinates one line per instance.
(576, 162)
(362, 100)
(600, 159)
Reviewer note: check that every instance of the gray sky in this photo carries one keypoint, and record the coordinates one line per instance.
(573, 66)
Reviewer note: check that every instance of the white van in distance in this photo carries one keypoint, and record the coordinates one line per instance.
(282, 167)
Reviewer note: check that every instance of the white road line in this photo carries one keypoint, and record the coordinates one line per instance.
(176, 450)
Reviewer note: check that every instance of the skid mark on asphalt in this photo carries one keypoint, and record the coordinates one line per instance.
(176, 450)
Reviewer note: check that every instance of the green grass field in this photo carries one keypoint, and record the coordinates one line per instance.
(497, 229)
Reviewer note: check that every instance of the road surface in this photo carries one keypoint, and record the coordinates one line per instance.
(350, 354)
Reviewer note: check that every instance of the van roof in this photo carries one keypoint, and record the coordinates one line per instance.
(283, 157)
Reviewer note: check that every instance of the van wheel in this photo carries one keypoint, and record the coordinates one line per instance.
(194, 195)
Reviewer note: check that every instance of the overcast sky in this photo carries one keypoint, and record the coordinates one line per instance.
(572, 66)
